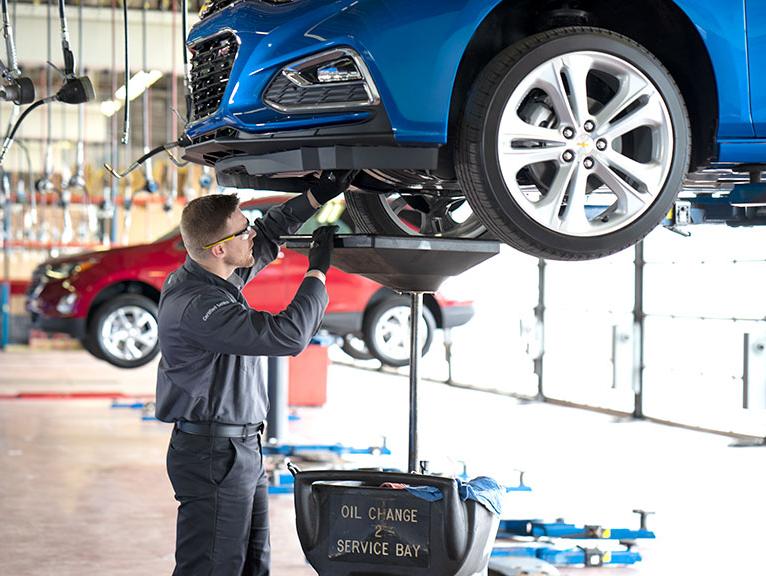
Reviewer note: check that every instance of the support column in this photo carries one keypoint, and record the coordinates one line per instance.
(540, 328)
(416, 306)
(638, 332)
(278, 380)
(5, 289)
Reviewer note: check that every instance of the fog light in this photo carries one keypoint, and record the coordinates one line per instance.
(66, 304)
(333, 80)
(343, 70)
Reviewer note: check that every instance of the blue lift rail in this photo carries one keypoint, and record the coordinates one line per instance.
(128, 405)
(574, 556)
(538, 529)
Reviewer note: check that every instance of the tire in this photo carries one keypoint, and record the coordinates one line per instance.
(90, 346)
(382, 318)
(391, 214)
(108, 332)
(560, 194)
(355, 347)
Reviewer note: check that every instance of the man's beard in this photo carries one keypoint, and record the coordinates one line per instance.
(245, 261)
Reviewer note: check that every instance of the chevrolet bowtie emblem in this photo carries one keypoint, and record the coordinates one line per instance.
(583, 144)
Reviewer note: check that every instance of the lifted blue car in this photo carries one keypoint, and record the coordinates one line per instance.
(565, 128)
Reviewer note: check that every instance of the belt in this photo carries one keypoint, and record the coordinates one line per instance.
(222, 430)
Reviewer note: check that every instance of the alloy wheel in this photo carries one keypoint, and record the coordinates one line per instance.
(392, 333)
(585, 144)
(129, 333)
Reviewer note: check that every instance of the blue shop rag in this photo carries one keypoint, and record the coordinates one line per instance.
(482, 489)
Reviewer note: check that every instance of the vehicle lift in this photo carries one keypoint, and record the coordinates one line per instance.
(734, 203)
(513, 542)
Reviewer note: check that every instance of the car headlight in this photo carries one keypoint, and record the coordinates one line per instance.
(64, 270)
(336, 79)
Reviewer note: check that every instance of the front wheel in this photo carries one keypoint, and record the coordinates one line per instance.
(124, 331)
(574, 143)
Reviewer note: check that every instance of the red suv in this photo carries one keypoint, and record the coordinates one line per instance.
(108, 300)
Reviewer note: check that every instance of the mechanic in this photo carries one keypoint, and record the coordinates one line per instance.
(211, 380)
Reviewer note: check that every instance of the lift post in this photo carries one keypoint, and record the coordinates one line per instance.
(5, 287)
(412, 265)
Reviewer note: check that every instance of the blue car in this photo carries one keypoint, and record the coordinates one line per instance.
(565, 128)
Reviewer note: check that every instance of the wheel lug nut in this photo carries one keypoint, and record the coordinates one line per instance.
(588, 162)
(568, 156)
(601, 144)
(589, 126)
(568, 132)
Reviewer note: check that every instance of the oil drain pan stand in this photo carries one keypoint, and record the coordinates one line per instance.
(349, 523)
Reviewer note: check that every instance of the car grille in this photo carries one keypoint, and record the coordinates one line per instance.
(283, 93)
(211, 66)
(38, 277)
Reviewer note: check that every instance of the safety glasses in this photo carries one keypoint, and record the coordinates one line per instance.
(244, 233)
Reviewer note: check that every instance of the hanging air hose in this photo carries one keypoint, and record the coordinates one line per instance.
(44, 184)
(168, 146)
(127, 191)
(14, 87)
(77, 181)
(75, 90)
(172, 193)
(108, 206)
(29, 211)
(150, 185)
(126, 114)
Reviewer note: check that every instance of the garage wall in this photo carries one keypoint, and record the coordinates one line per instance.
(31, 45)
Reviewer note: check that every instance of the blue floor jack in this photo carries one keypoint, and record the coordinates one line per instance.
(518, 541)
(146, 407)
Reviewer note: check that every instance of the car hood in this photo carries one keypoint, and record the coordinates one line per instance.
(107, 254)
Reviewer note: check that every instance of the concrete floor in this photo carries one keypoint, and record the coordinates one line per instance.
(83, 487)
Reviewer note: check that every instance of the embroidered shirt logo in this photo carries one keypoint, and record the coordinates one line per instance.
(214, 308)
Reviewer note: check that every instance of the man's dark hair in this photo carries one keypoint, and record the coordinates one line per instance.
(203, 221)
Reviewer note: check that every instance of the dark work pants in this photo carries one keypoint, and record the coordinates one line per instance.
(223, 515)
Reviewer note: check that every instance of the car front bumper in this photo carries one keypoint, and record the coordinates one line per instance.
(240, 158)
(453, 316)
(74, 327)
(402, 126)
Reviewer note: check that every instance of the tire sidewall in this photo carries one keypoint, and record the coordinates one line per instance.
(354, 353)
(374, 316)
(98, 322)
(495, 186)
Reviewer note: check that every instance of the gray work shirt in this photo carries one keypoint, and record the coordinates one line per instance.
(213, 365)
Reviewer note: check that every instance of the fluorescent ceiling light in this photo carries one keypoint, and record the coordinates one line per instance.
(137, 85)
(109, 107)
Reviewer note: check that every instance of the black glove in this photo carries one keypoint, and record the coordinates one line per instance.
(321, 248)
(331, 183)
